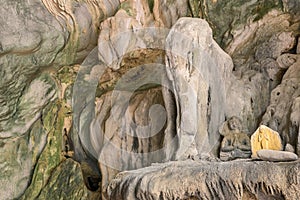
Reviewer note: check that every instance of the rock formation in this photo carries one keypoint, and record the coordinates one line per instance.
(92, 88)
(37, 39)
(276, 156)
(200, 72)
(283, 115)
(209, 180)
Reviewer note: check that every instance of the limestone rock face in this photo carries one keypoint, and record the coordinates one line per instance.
(89, 80)
(208, 180)
(29, 49)
(126, 127)
(276, 156)
(291, 6)
(298, 143)
(265, 138)
(257, 67)
(20, 153)
(200, 73)
(282, 114)
(36, 39)
(166, 13)
(218, 14)
(65, 183)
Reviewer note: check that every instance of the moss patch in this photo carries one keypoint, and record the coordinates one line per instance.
(224, 16)
(264, 7)
(128, 9)
(151, 5)
(51, 156)
(53, 118)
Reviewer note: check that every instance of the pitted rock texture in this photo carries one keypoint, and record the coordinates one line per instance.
(256, 51)
(283, 114)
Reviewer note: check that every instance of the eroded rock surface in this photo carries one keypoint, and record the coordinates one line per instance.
(37, 97)
(37, 38)
(200, 74)
(166, 13)
(276, 156)
(282, 114)
(225, 24)
(126, 128)
(65, 183)
(256, 51)
(209, 180)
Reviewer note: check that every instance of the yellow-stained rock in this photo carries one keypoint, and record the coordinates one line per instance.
(265, 138)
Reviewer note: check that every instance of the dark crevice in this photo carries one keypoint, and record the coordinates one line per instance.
(209, 105)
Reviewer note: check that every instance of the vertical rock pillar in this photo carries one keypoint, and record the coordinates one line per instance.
(200, 72)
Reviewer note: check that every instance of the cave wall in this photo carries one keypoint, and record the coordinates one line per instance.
(37, 39)
(69, 77)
